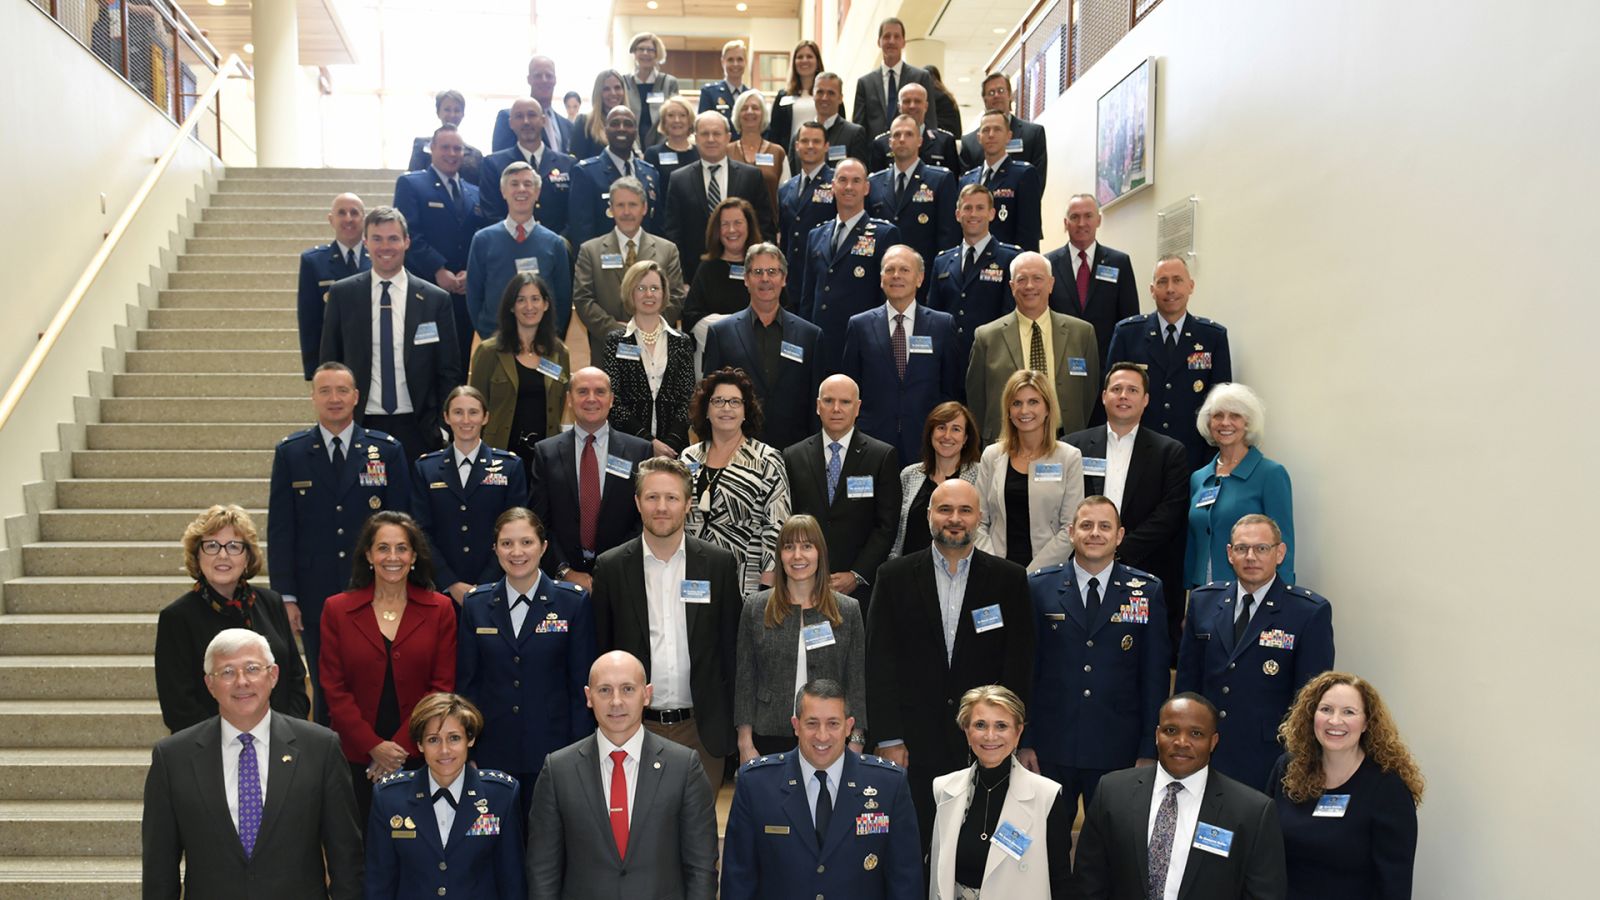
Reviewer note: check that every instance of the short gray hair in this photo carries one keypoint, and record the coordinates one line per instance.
(712, 115)
(520, 166)
(1234, 398)
(821, 689)
(234, 640)
(765, 248)
(632, 184)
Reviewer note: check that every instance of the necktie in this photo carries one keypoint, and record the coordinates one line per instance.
(633, 257)
(893, 101)
(972, 259)
(713, 190)
(1083, 280)
(445, 795)
(1172, 337)
(588, 496)
(619, 802)
(627, 167)
(1161, 842)
(824, 806)
(454, 191)
(1243, 622)
(835, 464)
(898, 342)
(552, 135)
(1036, 360)
(350, 259)
(988, 173)
(466, 470)
(840, 232)
(249, 794)
(1091, 602)
(338, 453)
(522, 233)
(391, 395)
(900, 192)
(805, 189)
(522, 600)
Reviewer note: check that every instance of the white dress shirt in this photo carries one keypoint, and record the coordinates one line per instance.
(669, 628)
(1119, 455)
(344, 252)
(849, 225)
(1082, 576)
(844, 451)
(899, 70)
(1088, 252)
(721, 176)
(230, 761)
(977, 249)
(464, 473)
(398, 286)
(1260, 595)
(1194, 790)
(633, 746)
(510, 224)
(622, 244)
(624, 166)
(531, 157)
(653, 359)
(814, 788)
(602, 446)
(451, 182)
(552, 133)
(911, 319)
(443, 813)
(1177, 328)
(828, 123)
(343, 436)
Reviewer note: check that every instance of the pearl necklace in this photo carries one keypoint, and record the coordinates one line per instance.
(649, 337)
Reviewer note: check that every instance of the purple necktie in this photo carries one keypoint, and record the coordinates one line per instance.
(249, 795)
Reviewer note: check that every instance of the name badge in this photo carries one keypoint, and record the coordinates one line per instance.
(1105, 273)
(301, 484)
(736, 272)
(920, 343)
(528, 264)
(655, 97)
(611, 260)
(1207, 496)
(486, 629)
(764, 159)
(786, 100)
(858, 487)
(836, 152)
(1013, 840)
(818, 635)
(1094, 466)
(695, 591)
(325, 283)
(427, 333)
(627, 351)
(776, 829)
(1078, 366)
(1212, 839)
(616, 465)
(987, 619)
(668, 157)
(1014, 145)
(549, 368)
(1332, 806)
(792, 352)
(1045, 472)
(435, 204)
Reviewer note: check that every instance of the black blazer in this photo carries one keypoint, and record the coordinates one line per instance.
(1155, 503)
(1034, 150)
(1108, 303)
(622, 622)
(859, 532)
(433, 367)
(855, 140)
(686, 213)
(869, 110)
(1114, 850)
(184, 629)
(788, 405)
(630, 411)
(553, 495)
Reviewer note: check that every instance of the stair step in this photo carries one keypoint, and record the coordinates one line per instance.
(103, 558)
(75, 633)
(207, 319)
(308, 232)
(159, 493)
(317, 187)
(253, 261)
(294, 215)
(151, 409)
(294, 199)
(274, 362)
(79, 677)
(50, 594)
(206, 388)
(284, 280)
(68, 878)
(97, 774)
(171, 463)
(286, 246)
(231, 338)
(187, 436)
(128, 724)
(92, 828)
(292, 173)
(227, 299)
(58, 525)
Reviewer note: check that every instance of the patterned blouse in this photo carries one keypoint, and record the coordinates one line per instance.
(742, 506)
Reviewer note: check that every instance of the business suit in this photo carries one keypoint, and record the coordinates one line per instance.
(895, 409)
(494, 372)
(184, 629)
(504, 137)
(483, 857)
(672, 829)
(432, 366)
(663, 87)
(846, 140)
(687, 213)
(1257, 485)
(938, 149)
(799, 212)
(788, 405)
(320, 267)
(1031, 806)
(307, 810)
(1028, 139)
(588, 205)
(858, 530)
(839, 282)
(622, 622)
(870, 109)
(555, 187)
(441, 232)
(914, 686)
(974, 296)
(768, 659)
(553, 489)
(1113, 291)
(997, 353)
(597, 285)
(1113, 861)
(1052, 502)
(925, 213)
(1018, 191)
(1179, 380)
(1288, 641)
(459, 521)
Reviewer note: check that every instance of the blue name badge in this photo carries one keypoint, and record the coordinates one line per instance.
(549, 368)
(792, 352)
(736, 273)
(627, 351)
(528, 264)
(694, 591)
(764, 159)
(616, 465)
(920, 343)
(858, 487)
(1094, 465)
(987, 618)
(1212, 839)
(1105, 273)
(818, 635)
(1077, 365)
(427, 333)
(1014, 145)
(668, 157)
(1332, 806)
(1046, 472)
(1012, 840)
(1207, 496)
(611, 260)
(837, 152)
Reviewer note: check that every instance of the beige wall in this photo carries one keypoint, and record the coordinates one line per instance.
(764, 35)
(1393, 219)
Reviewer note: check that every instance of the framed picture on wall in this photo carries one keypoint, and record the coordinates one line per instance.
(1125, 130)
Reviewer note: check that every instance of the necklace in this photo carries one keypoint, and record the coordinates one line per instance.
(650, 337)
(390, 615)
(988, 791)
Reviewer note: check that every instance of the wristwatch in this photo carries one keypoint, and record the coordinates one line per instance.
(561, 572)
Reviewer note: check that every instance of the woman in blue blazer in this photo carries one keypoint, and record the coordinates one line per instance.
(1239, 481)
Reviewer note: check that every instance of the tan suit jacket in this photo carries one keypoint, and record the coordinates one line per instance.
(495, 374)
(997, 353)
(597, 290)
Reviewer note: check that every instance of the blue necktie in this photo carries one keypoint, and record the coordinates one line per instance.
(824, 802)
(249, 795)
(835, 464)
(391, 396)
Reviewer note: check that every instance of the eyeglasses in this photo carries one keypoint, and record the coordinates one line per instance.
(212, 548)
(647, 289)
(230, 674)
(1252, 549)
(996, 91)
(729, 402)
(764, 272)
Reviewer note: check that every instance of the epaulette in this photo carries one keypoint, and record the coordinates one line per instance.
(1048, 570)
(569, 585)
(1138, 318)
(769, 760)
(591, 161)
(1202, 320)
(433, 453)
(1000, 243)
(497, 776)
(1307, 593)
(298, 435)
(1136, 574)
(496, 451)
(481, 589)
(879, 761)
(397, 777)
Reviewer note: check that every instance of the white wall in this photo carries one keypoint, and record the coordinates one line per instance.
(1395, 206)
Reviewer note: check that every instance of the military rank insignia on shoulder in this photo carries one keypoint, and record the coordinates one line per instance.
(768, 760)
(397, 777)
(496, 775)
(879, 761)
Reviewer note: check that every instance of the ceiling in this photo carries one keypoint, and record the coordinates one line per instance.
(967, 28)
(323, 41)
(765, 9)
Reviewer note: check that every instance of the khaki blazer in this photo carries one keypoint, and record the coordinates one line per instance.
(1051, 504)
(597, 290)
(997, 353)
(495, 373)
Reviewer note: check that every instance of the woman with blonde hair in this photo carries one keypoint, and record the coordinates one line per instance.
(589, 132)
(1031, 483)
(676, 148)
(651, 364)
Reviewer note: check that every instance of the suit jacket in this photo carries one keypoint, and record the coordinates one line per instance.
(432, 367)
(459, 521)
(1113, 859)
(184, 629)
(622, 622)
(1027, 138)
(665, 85)
(846, 140)
(320, 267)
(1113, 290)
(798, 213)
(686, 212)
(938, 149)
(869, 109)
(555, 176)
(1030, 800)
(1179, 381)
(1018, 190)
(924, 214)
(1155, 502)
(309, 810)
(504, 137)
(839, 282)
(894, 409)
(997, 353)
(441, 229)
(494, 372)
(975, 296)
(597, 285)
(553, 489)
(858, 531)
(479, 860)
(788, 406)
(672, 830)
(588, 206)
(768, 658)
(1052, 502)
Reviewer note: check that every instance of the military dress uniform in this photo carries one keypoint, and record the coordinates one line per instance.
(798, 213)
(320, 267)
(1018, 197)
(589, 198)
(1179, 379)
(840, 282)
(939, 148)
(925, 212)
(870, 849)
(719, 96)
(483, 858)
(555, 187)
(974, 296)
(459, 521)
(1289, 641)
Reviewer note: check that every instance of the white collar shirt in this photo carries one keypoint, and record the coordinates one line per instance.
(847, 224)
(899, 70)
(633, 746)
(835, 774)
(451, 182)
(464, 472)
(977, 248)
(1177, 328)
(1088, 260)
(1194, 791)
(669, 628)
(1260, 594)
(844, 446)
(910, 321)
(398, 287)
(344, 437)
(527, 227)
(1082, 576)
(231, 748)
(721, 175)
(532, 157)
(344, 252)
(624, 166)
(952, 590)
(622, 241)
(908, 171)
(552, 134)
(828, 122)
(519, 611)
(444, 815)
(1119, 456)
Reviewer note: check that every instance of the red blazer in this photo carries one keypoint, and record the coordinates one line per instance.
(352, 663)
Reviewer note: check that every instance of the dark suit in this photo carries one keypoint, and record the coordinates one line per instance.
(870, 110)
(1018, 191)
(1179, 381)
(838, 283)
(1113, 860)
(672, 830)
(308, 810)
(788, 405)
(555, 176)
(622, 622)
(483, 857)
(975, 296)
(938, 149)
(859, 531)
(320, 267)
(686, 213)
(846, 140)
(894, 409)
(799, 213)
(1113, 292)
(925, 213)
(459, 521)
(914, 687)
(553, 491)
(441, 232)
(1028, 139)
(504, 137)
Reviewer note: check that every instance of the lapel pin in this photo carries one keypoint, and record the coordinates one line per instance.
(287, 758)
(658, 765)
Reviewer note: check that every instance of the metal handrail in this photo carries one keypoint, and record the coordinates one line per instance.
(69, 306)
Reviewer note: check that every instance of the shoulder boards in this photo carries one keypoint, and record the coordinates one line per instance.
(1131, 319)
(402, 775)
(770, 760)
(878, 761)
(1048, 569)
(496, 775)
(1012, 247)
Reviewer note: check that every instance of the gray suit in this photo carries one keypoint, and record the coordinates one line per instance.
(870, 110)
(309, 809)
(597, 290)
(997, 352)
(763, 696)
(667, 85)
(672, 833)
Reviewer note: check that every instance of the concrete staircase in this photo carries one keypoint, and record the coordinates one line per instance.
(207, 387)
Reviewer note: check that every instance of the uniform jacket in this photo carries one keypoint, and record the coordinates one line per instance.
(925, 214)
(997, 352)
(1179, 381)
(846, 140)
(938, 149)
(1052, 503)
(1113, 289)
(894, 409)
(686, 213)
(459, 521)
(1018, 190)
(976, 296)
(555, 187)
(553, 488)
(320, 267)
(483, 858)
(798, 213)
(837, 284)
(1028, 139)
(789, 407)
(588, 206)
(441, 229)
(719, 96)
(859, 531)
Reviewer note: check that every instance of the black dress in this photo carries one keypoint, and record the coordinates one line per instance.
(714, 290)
(184, 629)
(652, 155)
(1019, 541)
(1368, 852)
(529, 422)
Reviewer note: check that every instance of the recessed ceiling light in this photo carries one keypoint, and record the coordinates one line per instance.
(1000, 31)
(218, 2)
(652, 5)
(741, 7)
(964, 79)
(249, 49)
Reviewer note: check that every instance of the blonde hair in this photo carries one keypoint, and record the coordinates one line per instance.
(214, 520)
(1303, 779)
(994, 695)
(1010, 438)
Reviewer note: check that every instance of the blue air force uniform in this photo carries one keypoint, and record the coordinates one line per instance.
(459, 521)
(837, 284)
(975, 296)
(1018, 197)
(320, 267)
(719, 96)
(925, 212)
(589, 202)
(1180, 379)
(1289, 640)
(871, 850)
(938, 148)
(555, 188)
(483, 858)
(798, 213)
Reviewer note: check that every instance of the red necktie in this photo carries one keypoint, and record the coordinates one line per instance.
(588, 495)
(619, 802)
(522, 233)
(1083, 280)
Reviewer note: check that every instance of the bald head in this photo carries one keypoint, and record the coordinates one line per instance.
(953, 513)
(590, 394)
(347, 216)
(619, 663)
(914, 102)
(838, 404)
(527, 121)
